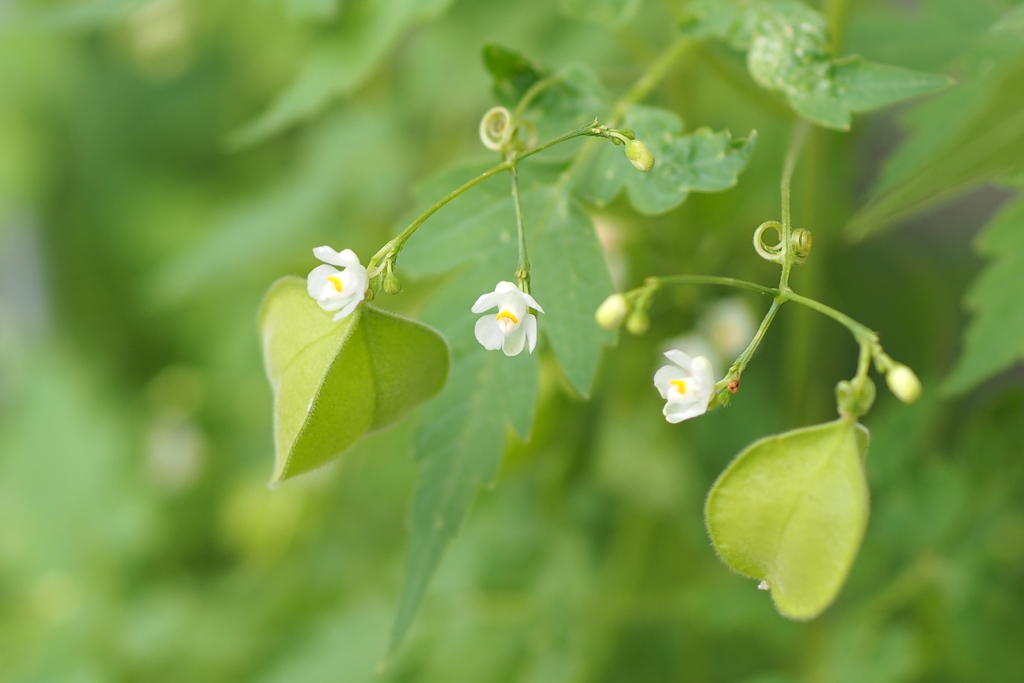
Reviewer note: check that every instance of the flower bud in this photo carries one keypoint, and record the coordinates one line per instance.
(855, 397)
(611, 312)
(638, 322)
(391, 283)
(639, 155)
(903, 383)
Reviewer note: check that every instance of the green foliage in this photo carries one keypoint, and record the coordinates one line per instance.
(513, 73)
(960, 140)
(789, 51)
(994, 341)
(341, 63)
(791, 510)
(703, 161)
(610, 13)
(335, 381)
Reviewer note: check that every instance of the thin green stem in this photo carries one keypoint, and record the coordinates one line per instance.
(531, 94)
(523, 270)
(795, 146)
(711, 280)
(652, 76)
(744, 358)
(860, 332)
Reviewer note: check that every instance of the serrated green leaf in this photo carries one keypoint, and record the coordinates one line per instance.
(458, 449)
(339, 64)
(568, 270)
(988, 145)
(570, 279)
(334, 381)
(512, 73)
(611, 13)
(791, 510)
(994, 340)
(864, 86)
(703, 161)
(789, 51)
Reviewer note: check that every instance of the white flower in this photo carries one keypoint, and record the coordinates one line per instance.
(687, 386)
(333, 289)
(513, 326)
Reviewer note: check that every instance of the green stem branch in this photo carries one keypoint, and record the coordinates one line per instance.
(523, 270)
(795, 147)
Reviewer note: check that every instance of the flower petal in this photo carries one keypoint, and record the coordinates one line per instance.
(487, 301)
(515, 342)
(531, 330)
(705, 377)
(488, 333)
(317, 279)
(348, 308)
(677, 412)
(532, 302)
(680, 359)
(665, 375)
(504, 287)
(345, 258)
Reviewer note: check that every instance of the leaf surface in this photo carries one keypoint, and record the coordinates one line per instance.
(703, 161)
(611, 13)
(994, 340)
(334, 381)
(791, 510)
(461, 437)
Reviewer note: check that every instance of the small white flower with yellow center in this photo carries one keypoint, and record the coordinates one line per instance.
(333, 289)
(687, 386)
(513, 326)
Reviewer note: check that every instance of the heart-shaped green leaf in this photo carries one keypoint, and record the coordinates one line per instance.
(334, 381)
(791, 509)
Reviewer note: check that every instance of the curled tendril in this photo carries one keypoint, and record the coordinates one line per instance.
(801, 241)
(771, 253)
(496, 128)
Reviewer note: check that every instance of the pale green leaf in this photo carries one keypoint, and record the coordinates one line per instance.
(570, 279)
(864, 86)
(334, 381)
(338, 65)
(703, 161)
(994, 340)
(791, 510)
(609, 13)
(458, 448)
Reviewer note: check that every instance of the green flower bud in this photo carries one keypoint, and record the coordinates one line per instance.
(612, 311)
(903, 383)
(639, 155)
(801, 241)
(391, 283)
(855, 397)
(638, 322)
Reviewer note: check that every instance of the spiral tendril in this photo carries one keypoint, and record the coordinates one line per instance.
(496, 128)
(774, 252)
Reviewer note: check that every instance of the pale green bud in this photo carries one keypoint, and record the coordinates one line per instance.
(855, 397)
(391, 283)
(903, 383)
(639, 155)
(612, 311)
(638, 323)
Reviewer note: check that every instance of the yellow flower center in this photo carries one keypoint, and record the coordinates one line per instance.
(680, 385)
(508, 316)
(336, 281)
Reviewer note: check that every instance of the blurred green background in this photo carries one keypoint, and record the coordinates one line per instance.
(154, 181)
